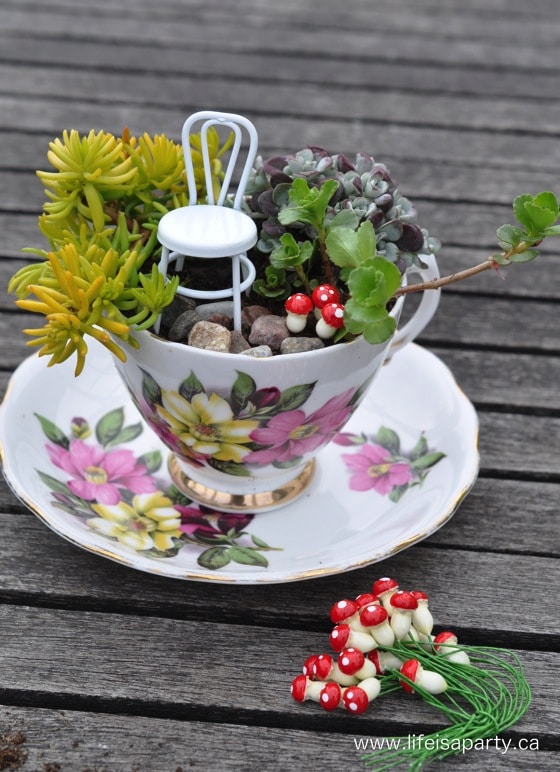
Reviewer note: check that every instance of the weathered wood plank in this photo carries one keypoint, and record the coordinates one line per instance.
(420, 77)
(475, 113)
(39, 567)
(122, 743)
(78, 657)
(253, 33)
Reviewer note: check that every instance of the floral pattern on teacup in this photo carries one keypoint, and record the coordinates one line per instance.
(119, 495)
(382, 466)
(247, 427)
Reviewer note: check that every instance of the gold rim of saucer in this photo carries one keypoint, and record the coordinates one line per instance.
(236, 502)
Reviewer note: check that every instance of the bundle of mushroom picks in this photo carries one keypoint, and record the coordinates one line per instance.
(383, 642)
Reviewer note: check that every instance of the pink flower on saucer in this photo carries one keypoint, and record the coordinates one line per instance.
(292, 434)
(99, 474)
(374, 467)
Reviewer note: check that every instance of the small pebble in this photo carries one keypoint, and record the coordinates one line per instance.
(238, 343)
(258, 352)
(210, 336)
(300, 345)
(183, 324)
(222, 307)
(269, 330)
(179, 305)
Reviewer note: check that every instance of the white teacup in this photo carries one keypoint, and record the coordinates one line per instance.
(245, 431)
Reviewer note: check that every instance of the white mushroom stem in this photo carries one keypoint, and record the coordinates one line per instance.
(401, 621)
(445, 644)
(413, 636)
(432, 682)
(385, 661)
(367, 670)
(422, 618)
(326, 669)
(296, 322)
(343, 637)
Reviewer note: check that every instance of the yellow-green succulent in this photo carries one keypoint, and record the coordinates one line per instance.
(99, 276)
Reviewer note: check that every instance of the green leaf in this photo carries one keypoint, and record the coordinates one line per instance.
(554, 230)
(214, 558)
(259, 542)
(150, 389)
(241, 390)
(519, 210)
(307, 205)
(389, 439)
(510, 235)
(427, 461)
(247, 556)
(191, 386)
(230, 467)
(57, 486)
(52, 432)
(294, 397)
(420, 449)
(525, 257)
(152, 461)
(342, 247)
(374, 322)
(397, 493)
(128, 434)
(109, 426)
(291, 253)
(346, 218)
(379, 332)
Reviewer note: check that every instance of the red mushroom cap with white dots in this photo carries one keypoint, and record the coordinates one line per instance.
(322, 666)
(330, 696)
(355, 700)
(403, 601)
(323, 294)
(339, 637)
(343, 609)
(350, 661)
(385, 584)
(410, 670)
(373, 615)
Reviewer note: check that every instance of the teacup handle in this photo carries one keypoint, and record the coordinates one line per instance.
(426, 308)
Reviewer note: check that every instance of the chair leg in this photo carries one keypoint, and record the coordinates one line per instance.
(236, 287)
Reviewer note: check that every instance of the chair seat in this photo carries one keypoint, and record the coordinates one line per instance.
(207, 231)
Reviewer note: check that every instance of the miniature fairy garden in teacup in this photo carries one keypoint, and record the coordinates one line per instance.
(140, 233)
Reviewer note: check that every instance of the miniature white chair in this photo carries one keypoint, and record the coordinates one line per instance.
(213, 229)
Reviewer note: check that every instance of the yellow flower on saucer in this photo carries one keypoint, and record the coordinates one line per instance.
(206, 425)
(150, 521)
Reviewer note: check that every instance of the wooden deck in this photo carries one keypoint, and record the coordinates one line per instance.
(109, 669)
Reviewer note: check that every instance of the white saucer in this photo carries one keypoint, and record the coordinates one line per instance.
(331, 528)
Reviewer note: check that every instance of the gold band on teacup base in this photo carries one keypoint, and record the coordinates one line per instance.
(223, 501)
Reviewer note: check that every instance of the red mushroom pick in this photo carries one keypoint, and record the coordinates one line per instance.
(432, 682)
(445, 643)
(357, 698)
(375, 618)
(352, 662)
(323, 294)
(384, 588)
(422, 616)
(403, 604)
(332, 319)
(330, 696)
(298, 306)
(343, 610)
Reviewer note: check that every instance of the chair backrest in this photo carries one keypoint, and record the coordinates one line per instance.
(237, 123)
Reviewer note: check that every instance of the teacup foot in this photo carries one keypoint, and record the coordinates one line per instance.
(223, 501)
